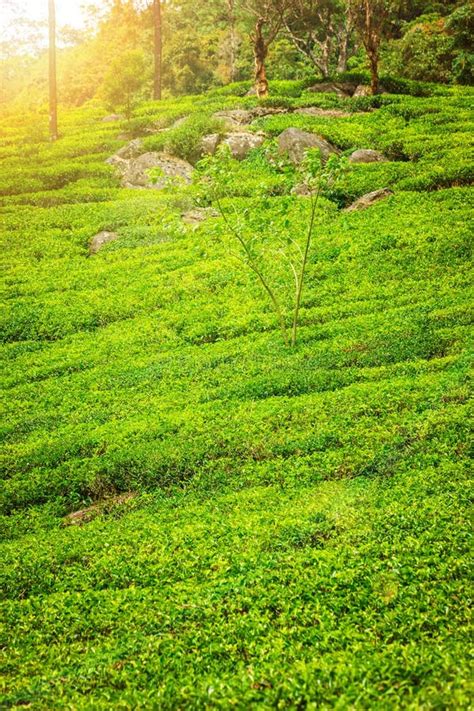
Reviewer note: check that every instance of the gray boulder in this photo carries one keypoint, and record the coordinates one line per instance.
(369, 199)
(135, 172)
(241, 143)
(100, 239)
(210, 143)
(367, 155)
(296, 142)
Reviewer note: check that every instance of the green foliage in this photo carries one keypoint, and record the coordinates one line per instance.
(125, 82)
(435, 48)
(185, 139)
(299, 530)
(276, 242)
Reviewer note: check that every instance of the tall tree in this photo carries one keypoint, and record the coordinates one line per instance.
(322, 31)
(158, 49)
(269, 19)
(371, 20)
(53, 85)
(233, 40)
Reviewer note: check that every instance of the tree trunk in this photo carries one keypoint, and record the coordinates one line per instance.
(372, 43)
(343, 54)
(325, 57)
(158, 50)
(344, 39)
(374, 72)
(53, 89)
(232, 40)
(260, 51)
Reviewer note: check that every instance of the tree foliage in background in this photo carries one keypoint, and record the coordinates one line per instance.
(322, 30)
(435, 48)
(211, 43)
(123, 85)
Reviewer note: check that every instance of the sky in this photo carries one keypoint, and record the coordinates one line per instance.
(69, 12)
(15, 34)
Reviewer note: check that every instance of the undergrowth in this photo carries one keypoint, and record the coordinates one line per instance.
(295, 531)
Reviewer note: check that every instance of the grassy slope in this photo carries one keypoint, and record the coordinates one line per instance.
(300, 534)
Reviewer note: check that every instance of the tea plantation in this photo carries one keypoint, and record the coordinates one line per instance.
(193, 514)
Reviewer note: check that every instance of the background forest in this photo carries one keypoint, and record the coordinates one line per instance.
(212, 43)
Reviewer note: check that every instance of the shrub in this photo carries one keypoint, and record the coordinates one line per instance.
(185, 140)
(247, 228)
(126, 81)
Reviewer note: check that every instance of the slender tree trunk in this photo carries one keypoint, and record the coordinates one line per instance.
(232, 40)
(260, 51)
(372, 43)
(158, 50)
(325, 57)
(343, 54)
(374, 72)
(53, 88)
(344, 39)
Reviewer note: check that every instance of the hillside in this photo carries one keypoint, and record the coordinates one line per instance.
(193, 514)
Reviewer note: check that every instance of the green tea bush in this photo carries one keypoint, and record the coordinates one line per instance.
(253, 525)
(185, 140)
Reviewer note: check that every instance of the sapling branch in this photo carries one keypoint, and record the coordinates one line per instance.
(304, 263)
(254, 267)
(318, 178)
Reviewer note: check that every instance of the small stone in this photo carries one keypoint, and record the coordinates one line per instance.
(367, 155)
(179, 122)
(79, 518)
(198, 215)
(302, 190)
(324, 113)
(100, 239)
(362, 90)
(112, 117)
(369, 199)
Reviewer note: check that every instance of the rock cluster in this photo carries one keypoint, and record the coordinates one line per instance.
(344, 89)
(134, 164)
